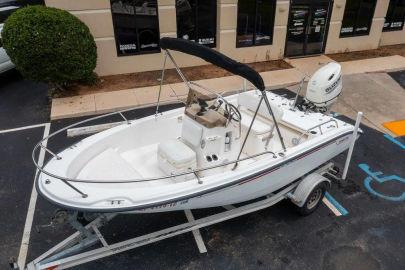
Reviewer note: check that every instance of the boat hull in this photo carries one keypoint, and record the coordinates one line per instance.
(263, 183)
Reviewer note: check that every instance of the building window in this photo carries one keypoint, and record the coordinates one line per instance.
(197, 21)
(136, 26)
(395, 16)
(255, 22)
(357, 18)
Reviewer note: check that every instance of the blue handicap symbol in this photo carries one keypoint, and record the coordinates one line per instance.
(378, 176)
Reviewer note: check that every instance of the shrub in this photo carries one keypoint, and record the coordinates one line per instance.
(50, 45)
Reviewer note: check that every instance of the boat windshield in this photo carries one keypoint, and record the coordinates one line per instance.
(206, 109)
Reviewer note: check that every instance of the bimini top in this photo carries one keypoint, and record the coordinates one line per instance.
(213, 57)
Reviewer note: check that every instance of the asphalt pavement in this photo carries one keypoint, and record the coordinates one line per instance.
(22, 102)
(370, 236)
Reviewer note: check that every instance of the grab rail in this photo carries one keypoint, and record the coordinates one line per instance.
(68, 181)
(318, 126)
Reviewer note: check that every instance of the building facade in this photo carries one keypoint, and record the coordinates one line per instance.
(127, 32)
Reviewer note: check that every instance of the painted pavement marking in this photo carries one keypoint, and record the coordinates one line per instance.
(393, 140)
(22, 256)
(196, 233)
(379, 177)
(334, 205)
(22, 128)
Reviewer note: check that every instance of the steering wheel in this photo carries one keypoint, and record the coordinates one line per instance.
(233, 112)
(230, 111)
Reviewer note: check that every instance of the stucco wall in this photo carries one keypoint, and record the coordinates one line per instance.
(392, 37)
(335, 44)
(97, 15)
(227, 34)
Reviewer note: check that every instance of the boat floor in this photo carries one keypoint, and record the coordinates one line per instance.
(139, 163)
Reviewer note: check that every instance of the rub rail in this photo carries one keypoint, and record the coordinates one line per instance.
(68, 181)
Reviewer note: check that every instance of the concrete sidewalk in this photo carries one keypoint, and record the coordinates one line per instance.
(146, 96)
(309, 65)
(377, 95)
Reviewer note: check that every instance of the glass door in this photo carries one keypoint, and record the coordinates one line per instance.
(307, 27)
(316, 36)
(296, 32)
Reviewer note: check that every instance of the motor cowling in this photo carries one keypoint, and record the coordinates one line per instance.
(325, 85)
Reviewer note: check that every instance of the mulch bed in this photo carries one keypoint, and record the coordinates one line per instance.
(380, 52)
(151, 78)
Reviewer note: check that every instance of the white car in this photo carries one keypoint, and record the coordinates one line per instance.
(5, 62)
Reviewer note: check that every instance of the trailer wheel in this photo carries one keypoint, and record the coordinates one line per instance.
(313, 199)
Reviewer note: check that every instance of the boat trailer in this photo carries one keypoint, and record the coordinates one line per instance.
(71, 251)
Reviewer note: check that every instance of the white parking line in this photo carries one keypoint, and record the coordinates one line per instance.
(331, 207)
(196, 233)
(22, 256)
(334, 205)
(22, 128)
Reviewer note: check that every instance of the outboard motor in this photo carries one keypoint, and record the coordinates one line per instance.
(324, 87)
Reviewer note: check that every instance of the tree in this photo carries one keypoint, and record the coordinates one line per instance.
(50, 45)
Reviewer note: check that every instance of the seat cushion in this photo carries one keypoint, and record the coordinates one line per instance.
(176, 153)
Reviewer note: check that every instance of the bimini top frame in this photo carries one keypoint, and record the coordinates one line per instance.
(216, 58)
(195, 49)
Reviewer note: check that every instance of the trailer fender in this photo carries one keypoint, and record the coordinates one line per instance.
(305, 187)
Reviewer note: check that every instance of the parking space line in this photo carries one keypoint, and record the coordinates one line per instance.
(22, 256)
(196, 233)
(393, 140)
(22, 128)
(334, 206)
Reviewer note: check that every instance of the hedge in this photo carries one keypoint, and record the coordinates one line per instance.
(50, 45)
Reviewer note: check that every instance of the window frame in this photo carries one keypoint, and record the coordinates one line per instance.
(388, 29)
(273, 16)
(139, 52)
(370, 22)
(196, 24)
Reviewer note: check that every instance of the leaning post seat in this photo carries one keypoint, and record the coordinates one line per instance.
(263, 127)
(176, 157)
(251, 99)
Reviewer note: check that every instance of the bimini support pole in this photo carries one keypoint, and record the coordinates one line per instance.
(266, 100)
(161, 83)
(248, 131)
(178, 69)
(352, 143)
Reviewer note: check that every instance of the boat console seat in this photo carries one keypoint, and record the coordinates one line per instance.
(260, 125)
(262, 133)
(176, 157)
(251, 99)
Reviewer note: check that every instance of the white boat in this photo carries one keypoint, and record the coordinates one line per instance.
(215, 151)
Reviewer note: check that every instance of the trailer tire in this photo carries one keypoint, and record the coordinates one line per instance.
(313, 200)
